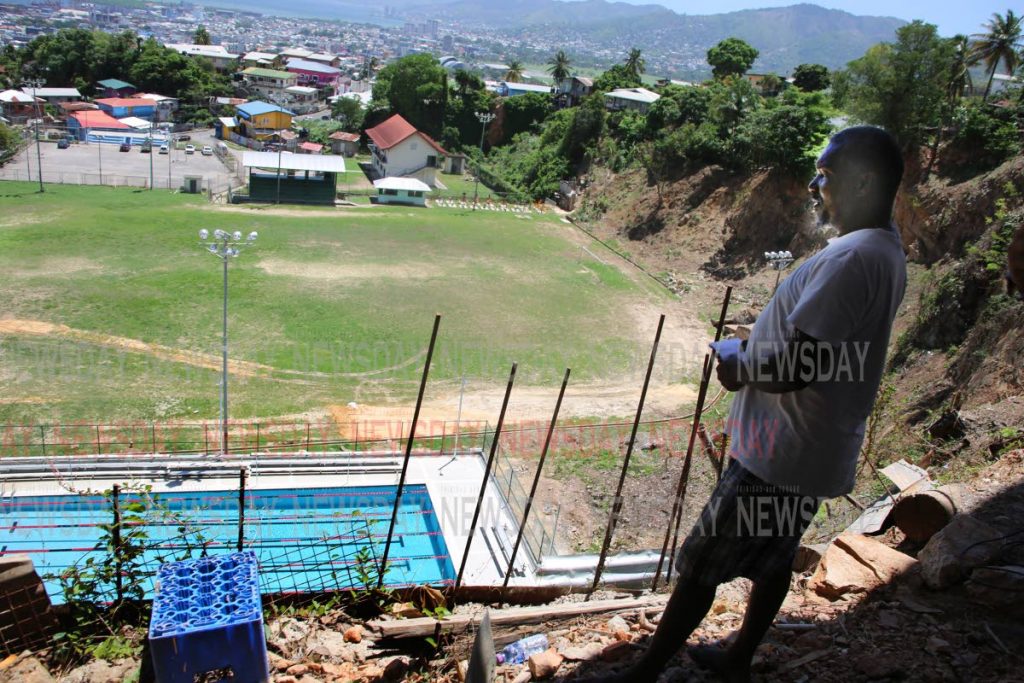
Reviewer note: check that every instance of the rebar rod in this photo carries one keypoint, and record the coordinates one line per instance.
(383, 566)
(675, 517)
(487, 476)
(536, 480)
(613, 518)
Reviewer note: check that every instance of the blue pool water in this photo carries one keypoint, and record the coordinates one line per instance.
(306, 540)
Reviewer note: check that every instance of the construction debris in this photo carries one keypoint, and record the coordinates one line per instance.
(857, 564)
(964, 544)
(429, 627)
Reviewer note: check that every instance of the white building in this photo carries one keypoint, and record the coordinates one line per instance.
(630, 99)
(399, 149)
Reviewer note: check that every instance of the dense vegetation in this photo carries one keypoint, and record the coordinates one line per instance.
(79, 58)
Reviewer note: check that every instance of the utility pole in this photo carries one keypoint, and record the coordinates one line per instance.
(35, 84)
(484, 118)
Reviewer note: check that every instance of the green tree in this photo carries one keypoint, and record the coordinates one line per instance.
(416, 87)
(524, 112)
(1001, 43)
(8, 142)
(465, 82)
(349, 113)
(811, 77)
(558, 66)
(784, 134)
(731, 57)
(635, 63)
(771, 85)
(201, 36)
(514, 73)
(617, 76)
(901, 86)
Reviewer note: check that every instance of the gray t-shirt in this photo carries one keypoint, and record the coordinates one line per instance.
(846, 296)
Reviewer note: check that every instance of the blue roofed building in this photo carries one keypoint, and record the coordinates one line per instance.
(262, 120)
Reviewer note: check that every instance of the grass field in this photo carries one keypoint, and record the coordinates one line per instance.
(336, 305)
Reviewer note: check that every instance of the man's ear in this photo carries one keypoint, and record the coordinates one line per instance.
(867, 184)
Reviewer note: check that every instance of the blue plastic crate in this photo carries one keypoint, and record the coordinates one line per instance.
(207, 616)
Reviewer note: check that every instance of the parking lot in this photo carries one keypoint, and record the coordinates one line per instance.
(103, 164)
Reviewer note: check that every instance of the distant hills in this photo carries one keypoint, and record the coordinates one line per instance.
(785, 36)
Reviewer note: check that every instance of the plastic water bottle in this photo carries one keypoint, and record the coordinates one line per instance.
(519, 651)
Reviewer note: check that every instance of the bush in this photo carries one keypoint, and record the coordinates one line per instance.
(989, 132)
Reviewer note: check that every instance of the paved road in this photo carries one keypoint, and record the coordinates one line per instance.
(102, 164)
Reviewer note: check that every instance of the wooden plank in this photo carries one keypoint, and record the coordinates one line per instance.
(428, 626)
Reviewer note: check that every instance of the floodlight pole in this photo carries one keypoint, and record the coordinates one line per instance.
(35, 84)
(779, 260)
(224, 245)
(149, 142)
(484, 118)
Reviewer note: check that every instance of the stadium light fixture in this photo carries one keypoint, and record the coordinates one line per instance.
(225, 245)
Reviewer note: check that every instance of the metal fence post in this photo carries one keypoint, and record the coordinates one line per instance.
(241, 507)
(99, 448)
(115, 534)
(42, 438)
(257, 437)
(152, 436)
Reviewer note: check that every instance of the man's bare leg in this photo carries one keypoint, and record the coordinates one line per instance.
(733, 663)
(685, 610)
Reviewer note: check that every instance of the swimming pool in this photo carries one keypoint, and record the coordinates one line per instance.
(306, 540)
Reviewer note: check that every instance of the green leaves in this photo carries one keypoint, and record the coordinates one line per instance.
(731, 57)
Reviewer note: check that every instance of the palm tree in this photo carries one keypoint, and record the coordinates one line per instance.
(515, 71)
(201, 36)
(959, 71)
(1000, 43)
(635, 63)
(559, 66)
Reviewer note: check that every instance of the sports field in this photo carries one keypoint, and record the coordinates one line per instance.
(111, 310)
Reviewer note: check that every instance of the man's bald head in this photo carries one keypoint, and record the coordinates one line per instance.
(869, 149)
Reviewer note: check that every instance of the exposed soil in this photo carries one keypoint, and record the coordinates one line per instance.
(333, 271)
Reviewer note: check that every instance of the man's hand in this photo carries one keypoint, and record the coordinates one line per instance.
(729, 355)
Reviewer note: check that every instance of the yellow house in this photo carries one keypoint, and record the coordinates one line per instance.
(262, 120)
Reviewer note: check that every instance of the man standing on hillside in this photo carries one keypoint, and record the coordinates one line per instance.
(805, 383)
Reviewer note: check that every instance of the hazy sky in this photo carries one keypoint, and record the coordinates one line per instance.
(951, 16)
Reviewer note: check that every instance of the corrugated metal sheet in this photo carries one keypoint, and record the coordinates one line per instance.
(294, 162)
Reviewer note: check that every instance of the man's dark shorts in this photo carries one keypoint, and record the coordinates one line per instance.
(748, 528)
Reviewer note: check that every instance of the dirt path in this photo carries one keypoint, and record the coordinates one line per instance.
(39, 328)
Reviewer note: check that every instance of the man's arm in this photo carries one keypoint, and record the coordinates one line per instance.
(792, 368)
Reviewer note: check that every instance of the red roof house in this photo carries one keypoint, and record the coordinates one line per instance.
(401, 150)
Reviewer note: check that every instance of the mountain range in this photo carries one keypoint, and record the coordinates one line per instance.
(785, 36)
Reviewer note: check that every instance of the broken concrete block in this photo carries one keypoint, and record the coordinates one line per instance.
(857, 564)
(964, 544)
(808, 556)
(885, 562)
(544, 664)
(25, 670)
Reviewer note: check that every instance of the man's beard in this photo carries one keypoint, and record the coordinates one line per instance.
(823, 226)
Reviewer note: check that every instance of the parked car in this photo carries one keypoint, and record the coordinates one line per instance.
(146, 148)
(207, 151)
(63, 143)
(184, 137)
(164, 149)
(190, 149)
(125, 147)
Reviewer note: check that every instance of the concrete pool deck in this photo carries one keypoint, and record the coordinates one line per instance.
(453, 484)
